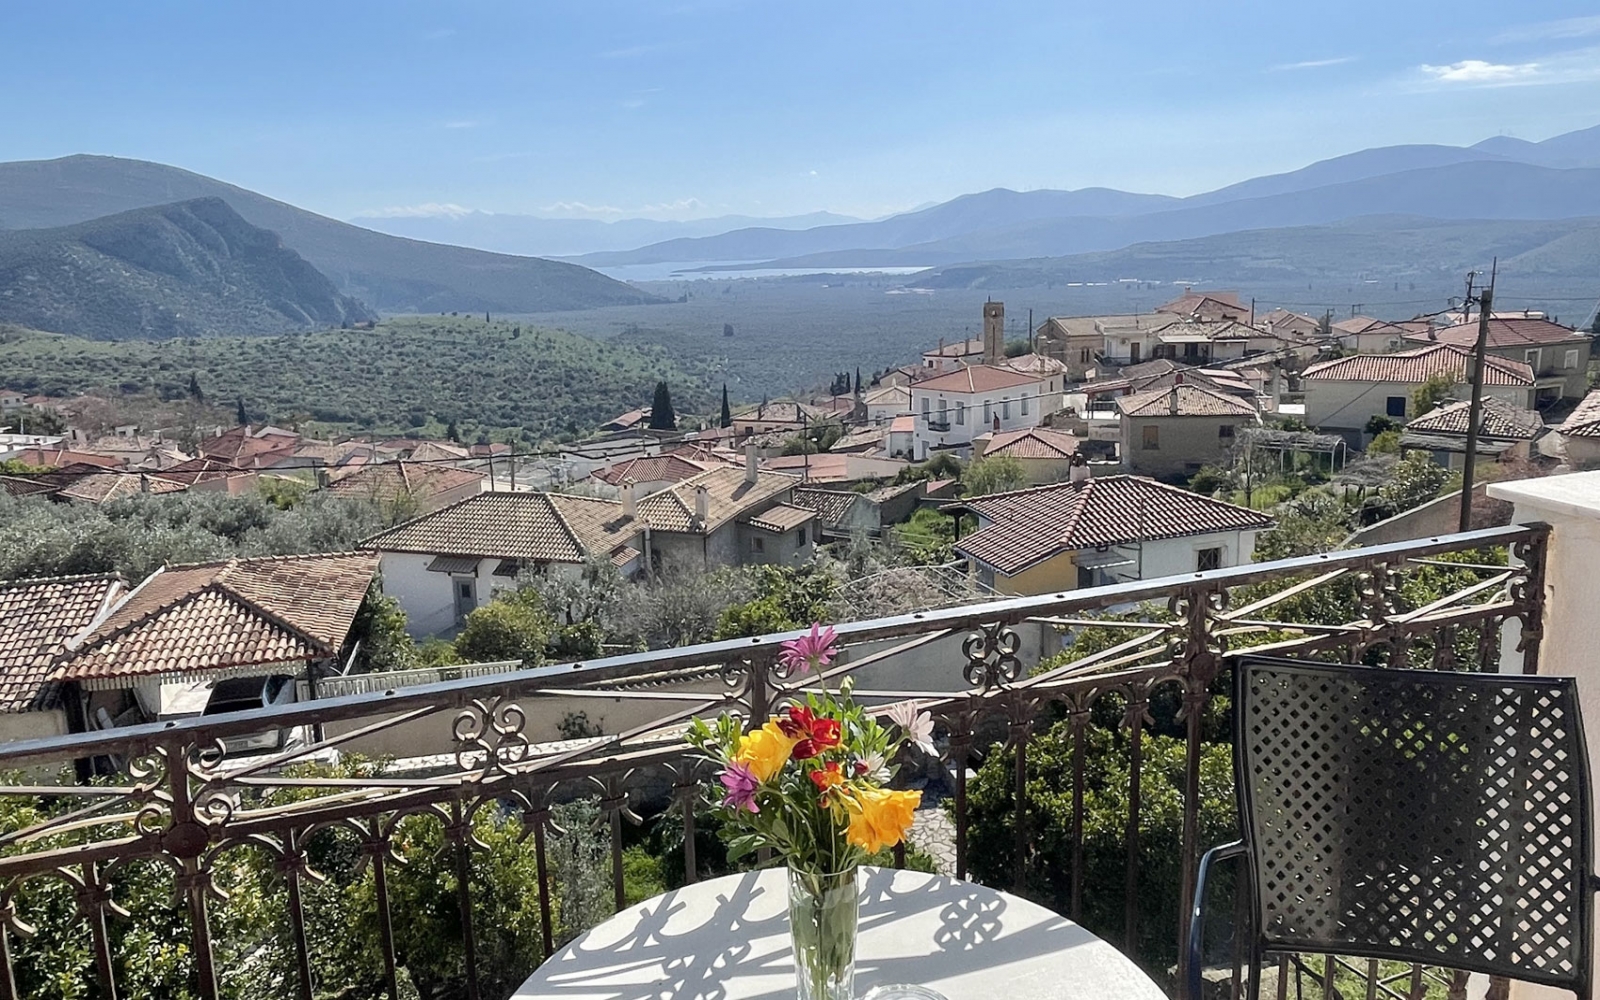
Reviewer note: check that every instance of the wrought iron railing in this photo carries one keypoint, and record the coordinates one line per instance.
(1143, 657)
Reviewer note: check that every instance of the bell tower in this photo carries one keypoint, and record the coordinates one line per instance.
(994, 332)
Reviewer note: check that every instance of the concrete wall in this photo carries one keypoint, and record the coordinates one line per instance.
(1179, 556)
(1186, 443)
(1335, 404)
(777, 548)
(16, 726)
(428, 597)
(1051, 576)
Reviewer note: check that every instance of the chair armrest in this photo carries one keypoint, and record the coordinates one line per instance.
(1196, 927)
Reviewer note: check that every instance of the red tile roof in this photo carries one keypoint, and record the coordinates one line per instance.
(1184, 401)
(103, 487)
(391, 480)
(977, 378)
(1503, 333)
(959, 349)
(58, 458)
(667, 468)
(1032, 443)
(1028, 526)
(36, 618)
(531, 526)
(1584, 421)
(1499, 419)
(781, 518)
(1417, 366)
(225, 617)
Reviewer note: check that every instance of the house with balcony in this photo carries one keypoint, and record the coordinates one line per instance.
(1099, 531)
(1558, 355)
(1171, 431)
(1343, 394)
(950, 410)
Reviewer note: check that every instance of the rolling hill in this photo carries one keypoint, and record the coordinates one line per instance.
(387, 272)
(190, 269)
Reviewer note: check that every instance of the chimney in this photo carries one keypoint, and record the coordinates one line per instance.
(702, 506)
(630, 503)
(750, 462)
(1077, 468)
(994, 332)
(1172, 395)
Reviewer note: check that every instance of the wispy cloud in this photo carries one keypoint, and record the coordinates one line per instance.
(427, 210)
(1540, 31)
(1481, 71)
(1312, 64)
(679, 207)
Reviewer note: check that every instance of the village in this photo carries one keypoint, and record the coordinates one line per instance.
(1103, 450)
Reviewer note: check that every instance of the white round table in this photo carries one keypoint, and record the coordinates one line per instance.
(728, 939)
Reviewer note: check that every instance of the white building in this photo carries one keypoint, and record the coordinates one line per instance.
(952, 409)
(1342, 395)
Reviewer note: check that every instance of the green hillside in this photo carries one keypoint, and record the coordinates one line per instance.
(190, 269)
(411, 374)
(386, 272)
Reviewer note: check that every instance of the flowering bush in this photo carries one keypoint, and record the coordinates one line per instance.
(812, 782)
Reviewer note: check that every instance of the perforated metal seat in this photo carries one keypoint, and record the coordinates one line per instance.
(1425, 816)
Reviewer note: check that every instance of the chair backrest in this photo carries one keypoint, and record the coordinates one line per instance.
(1419, 815)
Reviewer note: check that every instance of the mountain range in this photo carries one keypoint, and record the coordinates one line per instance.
(1499, 178)
(194, 268)
(388, 273)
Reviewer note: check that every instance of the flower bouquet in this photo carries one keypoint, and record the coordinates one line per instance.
(811, 785)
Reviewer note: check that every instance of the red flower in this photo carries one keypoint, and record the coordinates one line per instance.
(826, 779)
(815, 734)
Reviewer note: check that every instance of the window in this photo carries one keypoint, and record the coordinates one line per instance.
(926, 405)
(1024, 404)
(801, 537)
(758, 544)
(1570, 360)
(1083, 356)
(1005, 407)
(1207, 559)
(944, 411)
(1152, 438)
(988, 412)
(1395, 406)
(1533, 355)
(1225, 432)
(1133, 353)
(961, 413)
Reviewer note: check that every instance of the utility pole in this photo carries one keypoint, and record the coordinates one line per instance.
(1475, 411)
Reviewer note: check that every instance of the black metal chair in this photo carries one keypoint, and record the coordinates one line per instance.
(1423, 816)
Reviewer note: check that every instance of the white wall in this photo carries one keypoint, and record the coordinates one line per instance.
(1178, 556)
(1348, 404)
(946, 406)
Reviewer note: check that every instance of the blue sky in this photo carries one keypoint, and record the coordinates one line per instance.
(686, 108)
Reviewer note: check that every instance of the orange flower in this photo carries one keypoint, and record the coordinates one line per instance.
(879, 818)
(827, 777)
(764, 751)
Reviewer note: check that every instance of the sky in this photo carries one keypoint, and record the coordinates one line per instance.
(693, 108)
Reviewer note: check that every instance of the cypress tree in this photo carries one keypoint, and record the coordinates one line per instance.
(194, 389)
(662, 417)
(244, 418)
(727, 413)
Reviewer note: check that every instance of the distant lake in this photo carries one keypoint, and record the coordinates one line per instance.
(681, 271)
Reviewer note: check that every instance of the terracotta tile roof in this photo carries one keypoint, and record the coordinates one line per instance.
(1499, 419)
(387, 481)
(827, 467)
(25, 486)
(903, 425)
(36, 618)
(599, 525)
(783, 517)
(1184, 401)
(1027, 526)
(653, 469)
(781, 411)
(862, 439)
(1364, 324)
(216, 618)
(60, 458)
(1191, 303)
(977, 378)
(1032, 443)
(1207, 330)
(673, 509)
(1418, 366)
(833, 506)
(201, 470)
(1037, 365)
(438, 451)
(103, 487)
(239, 446)
(502, 525)
(1584, 420)
(1503, 333)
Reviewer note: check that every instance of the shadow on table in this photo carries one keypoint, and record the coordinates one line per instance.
(699, 959)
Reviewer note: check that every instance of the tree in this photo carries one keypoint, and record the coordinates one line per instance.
(194, 389)
(512, 627)
(858, 380)
(1378, 423)
(727, 329)
(1385, 443)
(727, 413)
(1431, 393)
(243, 417)
(1594, 327)
(994, 474)
(453, 432)
(379, 629)
(786, 598)
(662, 416)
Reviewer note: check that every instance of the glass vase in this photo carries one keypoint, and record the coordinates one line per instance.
(822, 926)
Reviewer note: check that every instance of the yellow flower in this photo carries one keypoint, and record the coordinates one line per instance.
(879, 818)
(764, 751)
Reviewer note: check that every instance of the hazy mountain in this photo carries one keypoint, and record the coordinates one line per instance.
(1498, 178)
(1572, 149)
(1390, 248)
(534, 235)
(966, 214)
(386, 272)
(195, 268)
